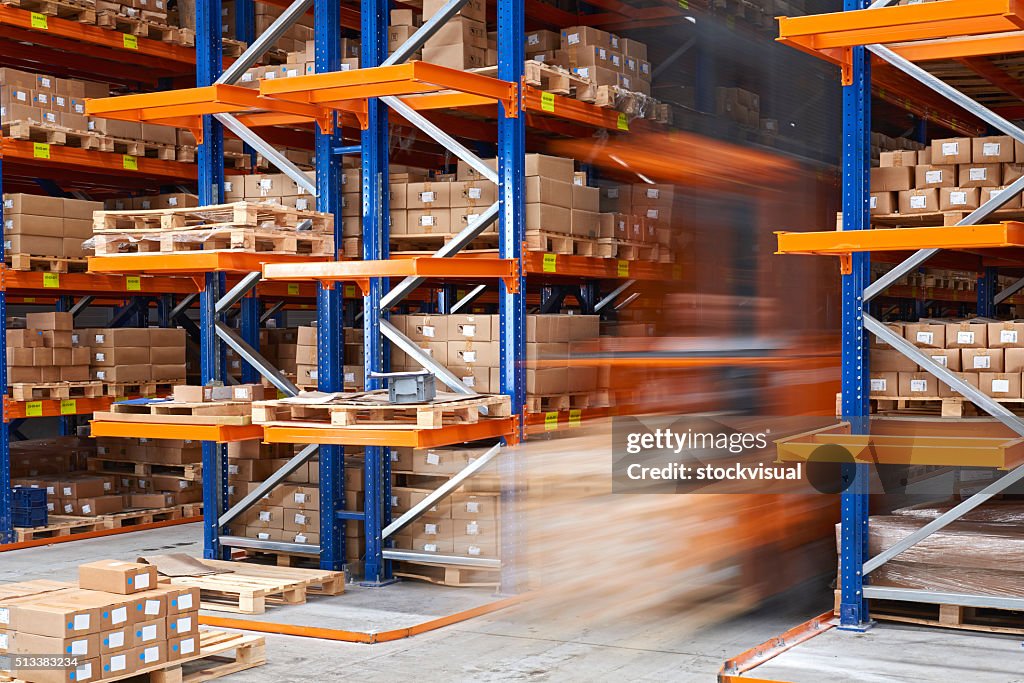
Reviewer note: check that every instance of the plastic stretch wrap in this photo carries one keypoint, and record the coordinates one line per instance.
(992, 512)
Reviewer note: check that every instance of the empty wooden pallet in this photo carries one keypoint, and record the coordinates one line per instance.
(237, 214)
(172, 412)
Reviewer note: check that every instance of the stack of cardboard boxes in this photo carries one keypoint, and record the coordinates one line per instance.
(76, 493)
(172, 200)
(43, 99)
(987, 355)
(739, 105)
(129, 355)
(278, 188)
(404, 23)
(955, 174)
(460, 43)
(46, 351)
(117, 620)
(47, 226)
(468, 346)
(601, 57)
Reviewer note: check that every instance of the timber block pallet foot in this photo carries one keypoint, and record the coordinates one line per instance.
(448, 575)
(54, 391)
(188, 472)
(47, 264)
(573, 401)
(983, 619)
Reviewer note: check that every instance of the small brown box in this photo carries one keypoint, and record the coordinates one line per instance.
(892, 179)
(917, 384)
(992, 150)
(1013, 201)
(980, 175)
(1006, 335)
(1000, 384)
(1013, 360)
(959, 198)
(967, 335)
(981, 360)
(947, 358)
(934, 176)
(952, 151)
(880, 203)
(885, 384)
(919, 201)
(925, 335)
(115, 576)
(49, 321)
(969, 377)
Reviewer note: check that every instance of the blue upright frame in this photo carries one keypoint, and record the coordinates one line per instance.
(209, 64)
(6, 495)
(853, 612)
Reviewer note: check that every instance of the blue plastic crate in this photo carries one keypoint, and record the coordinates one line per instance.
(29, 497)
(29, 517)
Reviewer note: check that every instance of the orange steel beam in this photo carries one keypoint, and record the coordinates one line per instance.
(103, 163)
(995, 75)
(360, 272)
(282, 432)
(540, 263)
(157, 430)
(838, 242)
(53, 408)
(734, 667)
(401, 79)
(192, 262)
(953, 48)
(92, 283)
(901, 23)
(99, 533)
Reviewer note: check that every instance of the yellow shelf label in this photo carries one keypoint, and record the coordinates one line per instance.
(684, 4)
(575, 418)
(29, 300)
(68, 407)
(551, 421)
(350, 291)
(41, 150)
(37, 20)
(130, 162)
(622, 123)
(623, 269)
(133, 283)
(550, 264)
(131, 42)
(547, 101)
(293, 289)
(51, 280)
(34, 409)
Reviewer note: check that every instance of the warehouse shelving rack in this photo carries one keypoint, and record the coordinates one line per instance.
(912, 33)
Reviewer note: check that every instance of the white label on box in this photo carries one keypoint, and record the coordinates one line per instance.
(614, 40)
(67, 490)
(932, 177)
(232, 469)
(533, 39)
(925, 337)
(394, 501)
(41, 98)
(430, 547)
(612, 193)
(264, 516)
(188, 646)
(473, 550)
(601, 53)
(950, 149)
(151, 654)
(1007, 336)
(117, 663)
(263, 536)
(430, 529)
(941, 360)
(878, 384)
(302, 204)
(291, 72)
(469, 356)
(873, 202)
(919, 385)
(992, 194)
(83, 672)
(583, 71)
(5, 615)
(572, 39)
(115, 639)
(1000, 386)
(470, 218)
(428, 197)
(428, 221)
(49, 507)
(978, 173)
(79, 647)
(539, 58)
(100, 356)
(19, 94)
(468, 330)
(79, 108)
(474, 193)
(472, 529)
(313, 374)
(474, 507)
(300, 518)
(918, 202)
(433, 458)
(652, 213)
(69, 508)
(350, 377)
(428, 331)
(964, 337)
(142, 581)
(184, 624)
(185, 601)
(300, 538)
(59, 101)
(152, 607)
(982, 362)
(469, 381)
(100, 338)
(86, 509)
(4, 641)
(50, 490)
(616, 60)
(653, 193)
(101, 374)
(300, 497)
(991, 149)
(80, 622)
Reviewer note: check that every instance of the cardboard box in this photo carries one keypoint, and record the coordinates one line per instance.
(544, 190)
(34, 204)
(547, 328)
(264, 534)
(548, 218)
(919, 201)
(151, 654)
(891, 179)
(925, 335)
(993, 149)
(473, 193)
(182, 647)
(935, 176)
(472, 327)
(98, 505)
(1005, 335)
(584, 223)
(130, 373)
(947, 358)
(459, 56)
(85, 646)
(117, 640)
(428, 221)
(460, 30)
(917, 384)
(1013, 359)
(110, 357)
(473, 353)
(1000, 384)
(980, 175)
(468, 506)
(83, 671)
(432, 195)
(118, 662)
(183, 624)
(54, 615)
(884, 384)
(952, 151)
(882, 203)
(115, 576)
(542, 41)
(148, 607)
(959, 198)
(120, 336)
(897, 158)
(546, 381)
(981, 360)
(1013, 200)
(967, 335)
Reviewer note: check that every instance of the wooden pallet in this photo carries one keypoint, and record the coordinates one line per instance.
(448, 575)
(48, 264)
(572, 401)
(557, 80)
(280, 558)
(433, 240)
(47, 133)
(72, 11)
(57, 526)
(54, 391)
(139, 148)
(248, 588)
(253, 240)
(631, 251)
(371, 410)
(162, 387)
(234, 215)
(559, 243)
(946, 406)
(209, 663)
(118, 520)
(137, 26)
(190, 472)
(173, 412)
(988, 620)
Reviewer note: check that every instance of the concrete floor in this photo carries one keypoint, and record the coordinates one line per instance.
(528, 642)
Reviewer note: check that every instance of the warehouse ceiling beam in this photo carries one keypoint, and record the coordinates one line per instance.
(424, 32)
(265, 41)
